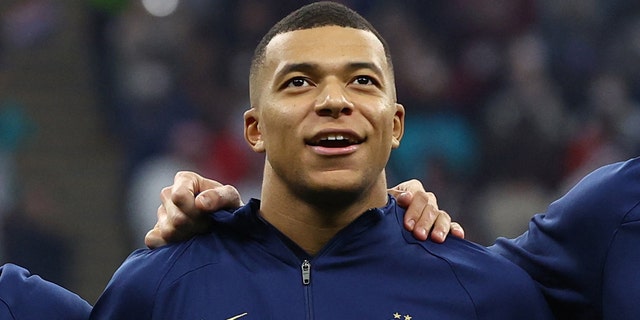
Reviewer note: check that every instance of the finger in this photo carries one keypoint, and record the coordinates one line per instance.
(425, 221)
(398, 193)
(441, 227)
(412, 186)
(184, 189)
(403, 198)
(178, 219)
(177, 223)
(223, 197)
(418, 203)
(153, 239)
(171, 216)
(457, 230)
(169, 223)
(180, 226)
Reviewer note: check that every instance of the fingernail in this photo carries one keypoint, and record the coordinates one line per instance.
(442, 235)
(411, 223)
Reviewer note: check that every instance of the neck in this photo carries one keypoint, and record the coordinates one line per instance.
(311, 220)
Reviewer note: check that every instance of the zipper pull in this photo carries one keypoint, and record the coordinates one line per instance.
(306, 272)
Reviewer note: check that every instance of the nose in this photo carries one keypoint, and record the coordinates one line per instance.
(333, 101)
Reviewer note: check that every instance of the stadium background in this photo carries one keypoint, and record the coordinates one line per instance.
(508, 103)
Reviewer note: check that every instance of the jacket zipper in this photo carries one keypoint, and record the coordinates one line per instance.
(305, 268)
(306, 272)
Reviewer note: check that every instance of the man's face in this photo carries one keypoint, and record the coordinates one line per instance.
(325, 111)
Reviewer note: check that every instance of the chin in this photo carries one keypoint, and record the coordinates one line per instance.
(335, 192)
(329, 198)
(338, 182)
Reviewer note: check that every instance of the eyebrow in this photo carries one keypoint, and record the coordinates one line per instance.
(303, 67)
(307, 67)
(365, 65)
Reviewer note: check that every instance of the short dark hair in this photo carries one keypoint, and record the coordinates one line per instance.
(315, 15)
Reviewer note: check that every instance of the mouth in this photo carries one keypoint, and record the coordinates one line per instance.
(335, 140)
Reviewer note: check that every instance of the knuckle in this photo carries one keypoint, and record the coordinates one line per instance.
(182, 174)
(230, 188)
(180, 196)
(180, 221)
(165, 193)
(160, 211)
(444, 215)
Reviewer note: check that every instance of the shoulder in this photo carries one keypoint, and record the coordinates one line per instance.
(567, 248)
(490, 280)
(169, 262)
(597, 205)
(155, 265)
(132, 291)
(26, 296)
(473, 264)
(144, 279)
(461, 254)
(591, 212)
(174, 260)
(459, 271)
(466, 257)
(609, 192)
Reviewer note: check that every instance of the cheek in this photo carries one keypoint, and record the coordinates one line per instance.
(278, 126)
(382, 119)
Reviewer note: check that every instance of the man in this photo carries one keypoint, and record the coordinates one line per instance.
(326, 241)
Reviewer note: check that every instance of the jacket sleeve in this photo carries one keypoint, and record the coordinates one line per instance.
(24, 296)
(577, 248)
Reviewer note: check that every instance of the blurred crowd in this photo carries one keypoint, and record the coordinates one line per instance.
(28, 234)
(508, 101)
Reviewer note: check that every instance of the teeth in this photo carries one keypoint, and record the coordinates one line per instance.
(334, 137)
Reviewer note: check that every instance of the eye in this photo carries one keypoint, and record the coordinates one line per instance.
(298, 82)
(364, 80)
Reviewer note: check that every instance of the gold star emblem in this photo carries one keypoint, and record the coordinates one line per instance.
(397, 316)
(407, 317)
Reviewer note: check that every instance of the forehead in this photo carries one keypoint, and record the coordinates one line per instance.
(332, 45)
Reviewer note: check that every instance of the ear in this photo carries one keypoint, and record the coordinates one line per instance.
(398, 126)
(252, 130)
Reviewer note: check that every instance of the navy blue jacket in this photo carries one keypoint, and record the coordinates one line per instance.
(27, 297)
(585, 250)
(373, 269)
